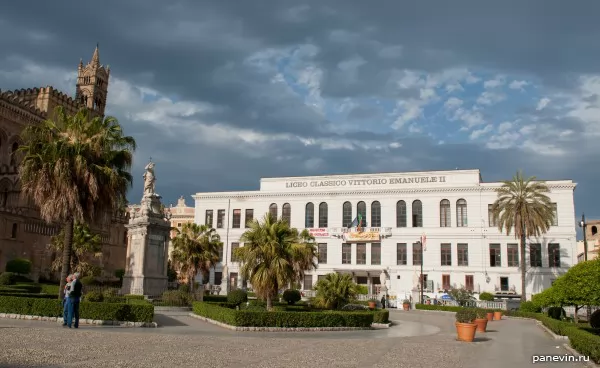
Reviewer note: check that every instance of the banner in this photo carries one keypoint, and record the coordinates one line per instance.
(363, 236)
(319, 233)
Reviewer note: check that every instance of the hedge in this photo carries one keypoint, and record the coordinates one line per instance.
(586, 343)
(244, 318)
(88, 310)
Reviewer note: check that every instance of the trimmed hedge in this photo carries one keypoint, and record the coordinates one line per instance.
(88, 310)
(586, 343)
(215, 298)
(381, 316)
(246, 318)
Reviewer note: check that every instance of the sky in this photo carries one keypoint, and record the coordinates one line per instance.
(222, 93)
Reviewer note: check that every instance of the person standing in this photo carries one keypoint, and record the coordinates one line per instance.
(74, 298)
(66, 299)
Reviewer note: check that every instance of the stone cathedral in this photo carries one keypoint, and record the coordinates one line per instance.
(22, 233)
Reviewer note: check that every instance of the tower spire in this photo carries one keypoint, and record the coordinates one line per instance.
(96, 56)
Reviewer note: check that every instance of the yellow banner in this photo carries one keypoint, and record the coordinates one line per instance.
(364, 236)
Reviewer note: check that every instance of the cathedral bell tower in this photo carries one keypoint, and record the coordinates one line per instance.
(92, 84)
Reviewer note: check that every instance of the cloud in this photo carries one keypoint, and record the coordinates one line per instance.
(498, 81)
(476, 134)
(542, 103)
(518, 84)
(490, 98)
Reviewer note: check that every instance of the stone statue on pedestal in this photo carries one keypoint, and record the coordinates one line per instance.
(224, 281)
(149, 180)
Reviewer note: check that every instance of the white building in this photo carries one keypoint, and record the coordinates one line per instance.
(449, 209)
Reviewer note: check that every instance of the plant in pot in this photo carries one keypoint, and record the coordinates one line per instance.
(465, 325)
(490, 316)
(372, 303)
(497, 315)
(481, 320)
(406, 304)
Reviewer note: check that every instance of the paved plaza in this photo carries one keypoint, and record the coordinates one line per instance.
(418, 339)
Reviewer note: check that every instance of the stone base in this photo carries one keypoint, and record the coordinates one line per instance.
(143, 285)
(93, 322)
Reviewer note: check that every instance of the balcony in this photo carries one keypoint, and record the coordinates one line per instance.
(360, 234)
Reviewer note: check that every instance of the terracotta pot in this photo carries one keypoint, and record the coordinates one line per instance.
(490, 316)
(497, 316)
(406, 306)
(465, 331)
(372, 305)
(481, 324)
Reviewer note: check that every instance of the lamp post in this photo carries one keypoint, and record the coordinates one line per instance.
(421, 280)
(583, 225)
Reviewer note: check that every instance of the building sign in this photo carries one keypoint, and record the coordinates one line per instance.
(362, 236)
(319, 233)
(357, 183)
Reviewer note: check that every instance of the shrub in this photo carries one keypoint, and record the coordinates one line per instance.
(529, 307)
(237, 297)
(381, 316)
(88, 280)
(556, 313)
(8, 278)
(132, 296)
(355, 307)
(19, 266)
(30, 288)
(49, 289)
(481, 313)
(595, 319)
(335, 290)
(93, 296)
(462, 295)
(362, 290)
(109, 293)
(292, 296)
(120, 273)
(466, 315)
(176, 298)
(215, 298)
(486, 297)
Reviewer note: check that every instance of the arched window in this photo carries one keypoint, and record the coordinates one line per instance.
(594, 230)
(323, 215)
(347, 214)
(309, 215)
(400, 213)
(417, 214)
(13, 155)
(286, 213)
(445, 219)
(361, 213)
(376, 214)
(273, 210)
(461, 213)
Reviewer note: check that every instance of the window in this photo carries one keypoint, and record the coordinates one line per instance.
(376, 214)
(220, 217)
(417, 214)
(322, 253)
(553, 255)
(594, 230)
(220, 254)
(535, 255)
(208, 218)
(463, 254)
(469, 284)
(286, 213)
(417, 256)
(445, 213)
(512, 251)
(309, 215)
(308, 284)
(401, 254)
(346, 253)
(273, 211)
(376, 253)
(400, 213)
(347, 214)
(446, 254)
(13, 232)
(361, 253)
(461, 213)
(504, 284)
(446, 282)
(491, 221)
(179, 224)
(237, 219)
(554, 214)
(361, 213)
(249, 217)
(234, 246)
(13, 156)
(323, 215)
(218, 278)
(495, 259)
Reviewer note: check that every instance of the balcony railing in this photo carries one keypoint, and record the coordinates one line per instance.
(339, 232)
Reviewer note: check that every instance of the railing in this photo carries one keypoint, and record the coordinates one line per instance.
(478, 304)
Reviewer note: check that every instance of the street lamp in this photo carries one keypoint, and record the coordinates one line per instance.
(583, 225)
(421, 281)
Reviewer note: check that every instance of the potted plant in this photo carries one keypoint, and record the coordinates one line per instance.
(406, 304)
(490, 316)
(372, 304)
(481, 320)
(497, 315)
(465, 326)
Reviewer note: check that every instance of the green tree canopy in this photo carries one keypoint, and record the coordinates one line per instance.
(335, 290)
(86, 245)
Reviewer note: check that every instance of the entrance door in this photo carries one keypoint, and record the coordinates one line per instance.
(504, 283)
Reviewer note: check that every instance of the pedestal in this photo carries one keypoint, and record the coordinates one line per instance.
(147, 250)
(224, 281)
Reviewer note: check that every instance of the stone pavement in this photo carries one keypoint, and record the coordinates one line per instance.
(419, 339)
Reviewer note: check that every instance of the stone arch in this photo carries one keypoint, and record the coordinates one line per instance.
(13, 145)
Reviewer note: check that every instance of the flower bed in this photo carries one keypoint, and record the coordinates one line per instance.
(285, 319)
(585, 342)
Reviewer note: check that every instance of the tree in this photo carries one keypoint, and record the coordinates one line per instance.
(75, 168)
(335, 290)
(273, 256)
(523, 206)
(306, 256)
(462, 295)
(86, 244)
(196, 248)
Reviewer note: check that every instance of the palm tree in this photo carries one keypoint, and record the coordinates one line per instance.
(335, 290)
(273, 256)
(523, 206)
(306, 256)
(196, 248)
(75, 169)
(85, 244)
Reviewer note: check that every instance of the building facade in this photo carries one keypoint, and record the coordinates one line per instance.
(592, 232)
(448, 212)
(22, 233)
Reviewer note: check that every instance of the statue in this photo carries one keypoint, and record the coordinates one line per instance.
(382, 280)
(149, 179)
